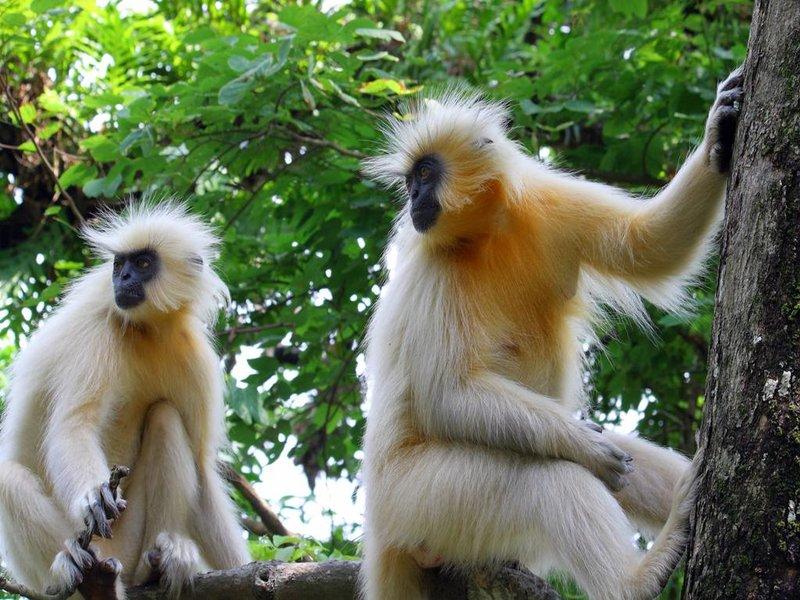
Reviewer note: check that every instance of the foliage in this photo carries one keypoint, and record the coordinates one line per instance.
(259, 113)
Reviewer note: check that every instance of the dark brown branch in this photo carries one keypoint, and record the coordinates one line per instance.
(32, 136)
(254, 526)
(336, 580)
(234, 331)
(270, 519)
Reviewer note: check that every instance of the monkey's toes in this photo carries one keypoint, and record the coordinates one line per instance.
(101, 581)
(154, 558)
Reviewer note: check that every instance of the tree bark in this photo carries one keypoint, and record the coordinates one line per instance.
(745, 530)
(336, 580)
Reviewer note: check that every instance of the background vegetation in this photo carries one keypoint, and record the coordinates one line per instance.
(259, 112)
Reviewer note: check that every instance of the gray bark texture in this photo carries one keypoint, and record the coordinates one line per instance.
(336, 580)
(746, 532)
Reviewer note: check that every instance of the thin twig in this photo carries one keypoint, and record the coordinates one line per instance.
(32, 136)
(315, 141)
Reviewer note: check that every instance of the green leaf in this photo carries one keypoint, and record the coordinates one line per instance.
(50, 102)
(386, 35)
(94, 188)
(382, 55)
(27, 146)
(42, 6)
(379, 86)
(238, 63)
(105, 186)
(583, 106)
(52, 210)
(132, 139)
(15, 19)
(77, 174)
(7, 205)
(232, 92)
(49, 130)
(311, 24)
(28, 112)
(67, 265)
(50, 292)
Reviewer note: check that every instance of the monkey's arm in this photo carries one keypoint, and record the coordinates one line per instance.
(490, 410)
(76, 464)
(665, 236)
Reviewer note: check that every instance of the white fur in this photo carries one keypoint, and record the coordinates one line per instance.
(98, 386)
(474, 454)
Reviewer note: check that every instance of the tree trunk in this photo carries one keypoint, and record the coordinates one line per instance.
(746, 534)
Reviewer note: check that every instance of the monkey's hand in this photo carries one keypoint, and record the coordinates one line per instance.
(99, 507)
(608, 462)
(722, 121)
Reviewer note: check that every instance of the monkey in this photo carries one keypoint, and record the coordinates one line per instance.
(474, 454)
(123, 372)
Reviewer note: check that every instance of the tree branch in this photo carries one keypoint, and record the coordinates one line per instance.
(234, 331)
(336, 580)
(269, 518)
(315, 141)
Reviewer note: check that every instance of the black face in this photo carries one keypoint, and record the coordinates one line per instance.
(422, 184)
(131, 272)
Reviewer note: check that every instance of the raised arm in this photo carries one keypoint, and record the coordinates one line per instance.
(489, 410)
(648, 241)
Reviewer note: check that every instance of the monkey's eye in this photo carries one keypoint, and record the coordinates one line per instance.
(117, 264)
(424, 172)
(142, 262)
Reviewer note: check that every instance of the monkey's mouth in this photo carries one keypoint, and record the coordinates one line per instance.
(129, 296)
(424, 215)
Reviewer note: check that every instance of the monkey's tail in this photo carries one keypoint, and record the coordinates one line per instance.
(390, 574)
(653, 572)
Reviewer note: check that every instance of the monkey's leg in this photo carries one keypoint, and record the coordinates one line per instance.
(168, 488)
(474, 506)
(33, 530)
(647, 499)
(217, 527)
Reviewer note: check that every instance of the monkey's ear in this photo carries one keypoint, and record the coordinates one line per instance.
(196, 260)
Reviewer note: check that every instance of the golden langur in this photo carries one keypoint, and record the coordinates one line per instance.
(124, 373)
(474, 452)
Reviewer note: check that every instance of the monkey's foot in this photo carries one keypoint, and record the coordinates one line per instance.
(78, 568)
(70, 567)
(171, 563)
(102, 581)
(425, 558)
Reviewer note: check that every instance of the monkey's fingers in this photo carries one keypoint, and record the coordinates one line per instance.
(95, 517)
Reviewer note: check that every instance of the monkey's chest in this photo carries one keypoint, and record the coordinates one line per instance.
(130, 399)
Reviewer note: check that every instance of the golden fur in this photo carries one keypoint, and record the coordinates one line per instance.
(474, 453)
(98, 386)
